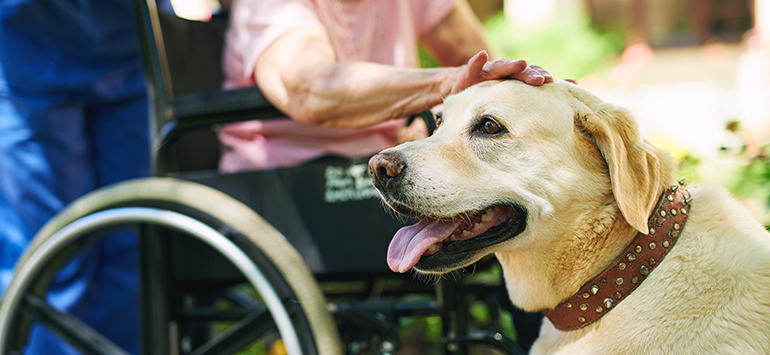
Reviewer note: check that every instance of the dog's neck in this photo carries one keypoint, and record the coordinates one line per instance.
(596, 239)
(540, 275)
(630, 268)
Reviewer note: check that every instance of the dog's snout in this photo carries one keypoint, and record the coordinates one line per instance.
(386, 167)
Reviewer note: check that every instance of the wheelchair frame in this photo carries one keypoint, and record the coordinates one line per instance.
(162, 210)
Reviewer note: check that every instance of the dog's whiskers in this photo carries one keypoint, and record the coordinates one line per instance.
(465, 217)
(561, 224)
(430, 279)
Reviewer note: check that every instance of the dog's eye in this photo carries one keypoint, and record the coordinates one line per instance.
(490, 126)
(439, 118)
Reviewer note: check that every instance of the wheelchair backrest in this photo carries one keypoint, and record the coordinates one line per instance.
(328, 209)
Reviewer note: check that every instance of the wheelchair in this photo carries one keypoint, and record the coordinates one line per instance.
(288, 260)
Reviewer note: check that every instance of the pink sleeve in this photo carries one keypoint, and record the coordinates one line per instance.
(254, 25)
(428, 13)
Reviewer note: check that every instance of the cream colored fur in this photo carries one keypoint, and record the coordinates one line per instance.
(589, 182)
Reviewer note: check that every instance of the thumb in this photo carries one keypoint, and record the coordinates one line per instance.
(476, 63)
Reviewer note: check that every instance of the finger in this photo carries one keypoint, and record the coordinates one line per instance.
(468, 74)
(548, 77)
(535, 79)
(477, 62)
(501, 69)
(530, 76)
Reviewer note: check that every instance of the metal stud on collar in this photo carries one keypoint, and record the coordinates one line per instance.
(633, 266)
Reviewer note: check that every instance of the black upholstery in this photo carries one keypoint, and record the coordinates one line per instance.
(345, 235)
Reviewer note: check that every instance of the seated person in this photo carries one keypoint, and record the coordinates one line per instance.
(345, 72)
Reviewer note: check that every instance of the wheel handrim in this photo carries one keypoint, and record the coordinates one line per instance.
(72, 232)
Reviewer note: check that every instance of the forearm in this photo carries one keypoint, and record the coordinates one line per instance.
(359, 94)
(300, 75)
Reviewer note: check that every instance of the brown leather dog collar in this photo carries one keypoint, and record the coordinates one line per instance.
(623, 276)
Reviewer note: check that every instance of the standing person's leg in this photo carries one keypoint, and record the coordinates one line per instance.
(44, 165)
(120, 151)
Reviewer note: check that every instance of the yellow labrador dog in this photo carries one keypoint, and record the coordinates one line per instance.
(587, 220)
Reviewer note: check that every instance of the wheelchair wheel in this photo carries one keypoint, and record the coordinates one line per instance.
(291, 302)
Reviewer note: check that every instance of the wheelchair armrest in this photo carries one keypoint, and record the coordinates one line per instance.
(215, 107)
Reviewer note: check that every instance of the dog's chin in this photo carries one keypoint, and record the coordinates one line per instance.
(461, 253)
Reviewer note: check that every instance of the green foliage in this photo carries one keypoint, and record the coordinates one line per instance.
(426, 60)
(480, 312)
(430, 329)
(743, 168)
(688, 168)
(568, 47)
(753, 178)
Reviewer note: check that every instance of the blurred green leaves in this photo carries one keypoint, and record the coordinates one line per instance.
(569, 47)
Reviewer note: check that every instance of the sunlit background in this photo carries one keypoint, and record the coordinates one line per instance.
(695, 73)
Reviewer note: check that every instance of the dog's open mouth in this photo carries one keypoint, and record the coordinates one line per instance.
(437, 245)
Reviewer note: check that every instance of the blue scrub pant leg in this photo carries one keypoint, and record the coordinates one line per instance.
(50, 154)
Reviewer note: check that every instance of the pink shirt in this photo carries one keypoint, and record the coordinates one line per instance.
(381, 31)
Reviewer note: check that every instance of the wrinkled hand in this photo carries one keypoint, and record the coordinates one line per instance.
(480, 69)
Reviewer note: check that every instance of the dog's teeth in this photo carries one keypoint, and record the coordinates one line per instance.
(451, 238)
(491, 212)
(433, 248)
(466, 233)
(477, 226)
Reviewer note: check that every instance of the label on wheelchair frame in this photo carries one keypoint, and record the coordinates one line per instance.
(348, 183)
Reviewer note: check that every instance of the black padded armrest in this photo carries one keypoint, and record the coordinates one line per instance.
(221, 107)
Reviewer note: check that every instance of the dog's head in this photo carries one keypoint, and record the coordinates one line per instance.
(509, 168)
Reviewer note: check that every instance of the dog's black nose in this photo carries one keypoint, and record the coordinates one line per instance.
(386, 167)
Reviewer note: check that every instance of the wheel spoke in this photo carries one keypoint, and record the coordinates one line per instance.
(69, 328)
(244, 332)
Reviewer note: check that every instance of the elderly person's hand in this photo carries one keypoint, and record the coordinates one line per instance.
(479, 69)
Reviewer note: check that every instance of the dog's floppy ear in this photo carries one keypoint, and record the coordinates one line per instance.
(638, 171)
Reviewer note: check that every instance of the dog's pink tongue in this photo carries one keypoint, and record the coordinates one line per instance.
(411, 242)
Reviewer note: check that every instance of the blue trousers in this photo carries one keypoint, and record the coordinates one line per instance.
(54, 149)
